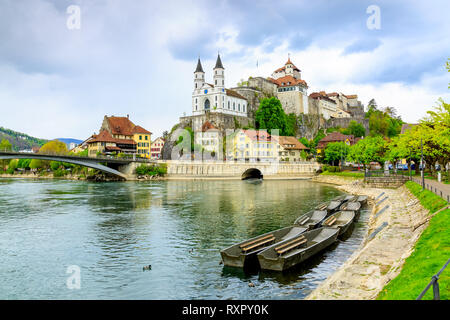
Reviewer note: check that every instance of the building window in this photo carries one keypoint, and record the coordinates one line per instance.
(146, 137)
(140, 137)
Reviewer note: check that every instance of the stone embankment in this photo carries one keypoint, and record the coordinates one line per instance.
(396, 222)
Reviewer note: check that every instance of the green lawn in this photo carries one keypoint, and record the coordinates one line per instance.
(431, 252)
(427, 198)
(344, 174)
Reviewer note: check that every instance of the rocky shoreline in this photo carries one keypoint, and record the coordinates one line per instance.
(382, 255)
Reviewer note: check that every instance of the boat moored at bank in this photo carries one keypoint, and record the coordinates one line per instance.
(293, 251)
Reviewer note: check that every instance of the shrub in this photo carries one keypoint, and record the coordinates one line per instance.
(59, 173)
(12, 166)
(152, 170)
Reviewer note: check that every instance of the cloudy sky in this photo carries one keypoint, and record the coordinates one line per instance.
(138, 57)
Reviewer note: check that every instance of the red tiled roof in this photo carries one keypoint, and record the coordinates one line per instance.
(352, 96)
(284, 67)
(234, 94)
(288, 81)
(139, 129)
(105, 136)
(260, 135)
(321, 95)
(337, 136)
(124, 126)
(208, 126)
(121, 125)
(288, 140)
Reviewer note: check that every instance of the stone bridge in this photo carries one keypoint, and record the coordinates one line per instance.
(242, 170)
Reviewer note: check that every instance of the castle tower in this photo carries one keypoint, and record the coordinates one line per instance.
(219, 77)
(199, 76)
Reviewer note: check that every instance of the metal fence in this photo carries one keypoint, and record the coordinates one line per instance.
(385, 173)
(444, 194)
(434, 282)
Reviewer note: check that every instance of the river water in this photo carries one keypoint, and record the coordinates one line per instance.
(111, 230)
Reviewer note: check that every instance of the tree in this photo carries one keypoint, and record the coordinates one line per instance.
(336, 151)
(270, 115)
(369, 149)
(51, 147)
(5, 145)
(305, 142)
(355, 129)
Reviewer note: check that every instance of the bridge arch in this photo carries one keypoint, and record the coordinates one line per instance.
(252, 173)
(81, 162)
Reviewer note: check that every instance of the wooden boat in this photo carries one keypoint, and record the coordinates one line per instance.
(244, 253)
(350, 198)
(293, 251)
(351, 206)
(362, 200)
(333, 206)
(311, 219)
(340, 220)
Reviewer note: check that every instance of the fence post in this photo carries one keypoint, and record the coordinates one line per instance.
(436, 295)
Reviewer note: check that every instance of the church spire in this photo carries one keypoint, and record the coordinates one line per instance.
(199, 67)
(218, 62)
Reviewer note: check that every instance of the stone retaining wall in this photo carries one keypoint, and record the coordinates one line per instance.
(385, 182)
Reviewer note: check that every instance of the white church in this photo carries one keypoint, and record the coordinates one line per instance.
(215, 98)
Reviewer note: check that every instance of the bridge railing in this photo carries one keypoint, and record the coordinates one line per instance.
(68, 155)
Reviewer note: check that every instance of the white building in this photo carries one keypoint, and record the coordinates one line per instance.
(215, 97)
(291, 89)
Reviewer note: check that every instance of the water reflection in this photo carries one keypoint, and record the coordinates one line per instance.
(112, 229)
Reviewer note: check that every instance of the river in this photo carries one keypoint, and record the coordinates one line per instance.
(111, 230)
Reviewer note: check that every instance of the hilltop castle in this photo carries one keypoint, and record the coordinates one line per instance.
(235, 107)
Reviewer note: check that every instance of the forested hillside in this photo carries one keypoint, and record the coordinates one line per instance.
(20, 141)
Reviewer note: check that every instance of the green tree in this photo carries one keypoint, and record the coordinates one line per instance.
(5, 145)
(369, 149)
(355, 129)
(335, 151)
(305, 142)
(51, 147)
(270, 115)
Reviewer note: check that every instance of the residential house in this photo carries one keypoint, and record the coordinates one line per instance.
(156, 148)
(289, 148)
(120, 135)
(209, 138)
(334, 137)
(252, 145)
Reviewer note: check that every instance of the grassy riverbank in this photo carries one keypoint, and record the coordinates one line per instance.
(431, 252)
(344, 174)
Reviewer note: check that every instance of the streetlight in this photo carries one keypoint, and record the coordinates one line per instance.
(421, 165)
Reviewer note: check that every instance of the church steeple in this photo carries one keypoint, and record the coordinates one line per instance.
(199, 67)
(218, 63)
(199, 76)
(219, 76)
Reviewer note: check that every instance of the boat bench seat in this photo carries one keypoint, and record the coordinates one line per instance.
(257, 242)
(303, 221)
(291, 244)
(330, 221)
